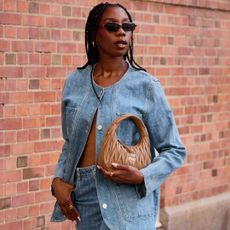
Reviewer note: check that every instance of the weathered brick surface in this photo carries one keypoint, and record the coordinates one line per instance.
(184, 43)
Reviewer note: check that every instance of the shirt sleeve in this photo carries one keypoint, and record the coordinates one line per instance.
(59, 170)
(164, 137)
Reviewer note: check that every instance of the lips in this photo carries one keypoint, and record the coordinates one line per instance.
(121, 44)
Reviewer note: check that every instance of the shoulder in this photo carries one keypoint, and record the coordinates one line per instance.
(78, 73)
(144, 76)
(141, 74)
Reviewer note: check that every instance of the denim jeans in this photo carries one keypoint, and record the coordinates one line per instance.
(86, 200)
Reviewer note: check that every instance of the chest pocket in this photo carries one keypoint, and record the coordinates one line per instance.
(69, 119)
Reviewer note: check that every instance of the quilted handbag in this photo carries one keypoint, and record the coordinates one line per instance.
(113, 151)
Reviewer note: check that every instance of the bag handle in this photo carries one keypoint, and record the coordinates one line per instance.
(138, 122)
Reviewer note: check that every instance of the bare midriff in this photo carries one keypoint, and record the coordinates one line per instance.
(89, 155)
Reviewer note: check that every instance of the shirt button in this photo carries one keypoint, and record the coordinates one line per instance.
(104, 205)
(99, 127)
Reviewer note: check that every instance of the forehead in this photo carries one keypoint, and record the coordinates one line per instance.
(114, 13)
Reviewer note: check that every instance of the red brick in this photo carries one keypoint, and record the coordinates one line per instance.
(33, 122)
(4, 150)
(13, 225)
(11, 163)
(33, 134)
(10, 137)
(44, 146)
(22, 148)
(22, 161)
(34, 210)
(11, 124)
(10, 32)
(18, 46)
(46, 208)
(53, 121)
(44, 8)
(44, 96)
(40, 221)
(22, 6)
(10, 19)
(22, 213)
(11, 176)
(45, 184)
(33, 7)
(33, 20)
(34, 185)
(66, 48)
(34, 59)
(21, 97)
(22, 188)
(43, 196)
(56, 22)
(48, 47)
(23, 33)
(4, 45)
(29, 173)
(5, 203)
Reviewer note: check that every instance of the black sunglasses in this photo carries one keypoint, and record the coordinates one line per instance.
(114, 27)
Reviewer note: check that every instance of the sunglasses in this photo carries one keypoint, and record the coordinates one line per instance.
(114, 27)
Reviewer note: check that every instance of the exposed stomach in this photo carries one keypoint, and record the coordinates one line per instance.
(88, 157)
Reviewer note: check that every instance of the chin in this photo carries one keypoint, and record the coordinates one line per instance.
(120, 53)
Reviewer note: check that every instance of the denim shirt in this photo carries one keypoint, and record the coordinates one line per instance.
(139, 93)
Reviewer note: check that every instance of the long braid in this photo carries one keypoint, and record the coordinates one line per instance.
(91, 28)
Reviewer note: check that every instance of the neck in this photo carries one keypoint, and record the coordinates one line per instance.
(110, 71)
(112, 65)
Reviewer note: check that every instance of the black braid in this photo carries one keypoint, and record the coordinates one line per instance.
(91, 28)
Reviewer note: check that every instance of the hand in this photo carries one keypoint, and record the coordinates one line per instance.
(123, 174)
(62, 192)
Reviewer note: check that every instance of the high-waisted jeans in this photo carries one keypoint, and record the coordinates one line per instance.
(86, 200)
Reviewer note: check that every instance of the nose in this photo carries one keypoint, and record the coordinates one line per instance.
(121, 32)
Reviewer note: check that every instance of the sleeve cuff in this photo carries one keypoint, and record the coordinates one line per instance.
(141, 189)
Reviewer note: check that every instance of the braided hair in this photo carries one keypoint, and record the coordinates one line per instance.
(91, 28)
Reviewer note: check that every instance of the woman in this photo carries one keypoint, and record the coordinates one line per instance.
(109, 85)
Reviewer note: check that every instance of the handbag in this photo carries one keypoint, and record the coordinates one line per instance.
(113, 151)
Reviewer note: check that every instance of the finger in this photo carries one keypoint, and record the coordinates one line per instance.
(104, 171)
(108, 174)
(73, 214)
(70, 211)
(121, 166)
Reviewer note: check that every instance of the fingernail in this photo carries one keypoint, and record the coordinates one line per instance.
(114, 165)
(98, 167)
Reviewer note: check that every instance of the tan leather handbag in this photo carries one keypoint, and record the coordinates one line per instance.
(113, 151)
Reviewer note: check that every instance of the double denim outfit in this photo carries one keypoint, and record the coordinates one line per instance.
(122, 206)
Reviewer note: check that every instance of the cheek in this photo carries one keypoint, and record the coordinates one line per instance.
(129, 35)
(102, 39)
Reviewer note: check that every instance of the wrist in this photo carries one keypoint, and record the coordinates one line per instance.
(54, 182)
(141, 178)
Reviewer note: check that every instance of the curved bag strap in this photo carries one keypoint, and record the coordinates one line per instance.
(138, 122)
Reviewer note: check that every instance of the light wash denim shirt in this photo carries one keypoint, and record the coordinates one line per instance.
(123, 206)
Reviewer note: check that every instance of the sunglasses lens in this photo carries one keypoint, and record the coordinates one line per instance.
(128, 27)
(112, 27)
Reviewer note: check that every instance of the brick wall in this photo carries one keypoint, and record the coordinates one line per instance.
(184, 43)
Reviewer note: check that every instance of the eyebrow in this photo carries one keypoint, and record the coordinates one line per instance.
(115, 20)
